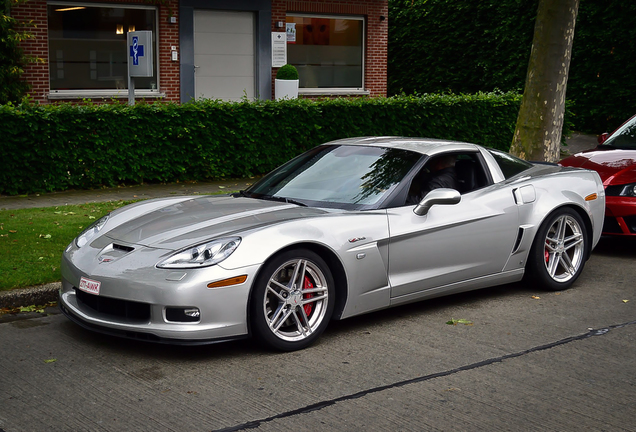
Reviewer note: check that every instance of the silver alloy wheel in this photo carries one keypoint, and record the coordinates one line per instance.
(296, 299)
(564, 248)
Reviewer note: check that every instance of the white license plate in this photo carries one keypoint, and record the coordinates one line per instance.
(89, 286)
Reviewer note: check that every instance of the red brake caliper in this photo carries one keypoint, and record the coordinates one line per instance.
(546, 253)
(308, 285)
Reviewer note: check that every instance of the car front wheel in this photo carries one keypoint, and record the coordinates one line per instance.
(292, 301)
(559, 251)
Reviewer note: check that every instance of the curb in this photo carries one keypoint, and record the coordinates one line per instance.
(37, 295)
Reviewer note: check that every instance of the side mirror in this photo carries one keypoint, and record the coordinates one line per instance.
(437, 196)
(602, 137)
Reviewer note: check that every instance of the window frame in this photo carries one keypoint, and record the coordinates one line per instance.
(335, 91)
(106, 93)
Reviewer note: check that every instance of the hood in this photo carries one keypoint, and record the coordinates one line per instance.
(613, 165)
(200, 219)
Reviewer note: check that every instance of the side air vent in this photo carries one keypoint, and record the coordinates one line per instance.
(518, 241)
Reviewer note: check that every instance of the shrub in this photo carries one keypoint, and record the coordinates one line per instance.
(12, 58)
(287, 72)
(58, 147)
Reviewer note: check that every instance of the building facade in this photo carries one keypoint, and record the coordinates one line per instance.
(217, 49)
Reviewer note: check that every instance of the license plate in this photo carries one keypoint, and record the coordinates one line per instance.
(89, 286)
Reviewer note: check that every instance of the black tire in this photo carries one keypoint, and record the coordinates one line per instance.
(287, 314)
(559, 251)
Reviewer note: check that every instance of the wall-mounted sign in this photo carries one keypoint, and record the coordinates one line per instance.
(279, 49)
(291, 33)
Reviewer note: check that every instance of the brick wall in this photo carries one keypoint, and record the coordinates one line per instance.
(375, 55)
(169, 70)
(37, 74)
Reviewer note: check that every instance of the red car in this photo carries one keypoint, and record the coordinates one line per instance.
(615, 161)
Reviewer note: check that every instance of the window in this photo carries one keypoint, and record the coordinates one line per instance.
(510, 165)
(88, 49)
(624, 137)
(460, 171)
(339, 176)
(327, 51)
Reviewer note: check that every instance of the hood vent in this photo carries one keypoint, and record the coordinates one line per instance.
(113, 252)
(123, 248)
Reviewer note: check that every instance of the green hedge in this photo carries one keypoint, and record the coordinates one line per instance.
(601, 81)
(464, 47)
(459, 46)
(59, 147)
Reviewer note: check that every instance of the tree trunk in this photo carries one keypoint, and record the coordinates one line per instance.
(538, 132)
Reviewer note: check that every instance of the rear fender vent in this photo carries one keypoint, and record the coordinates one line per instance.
(520, 232)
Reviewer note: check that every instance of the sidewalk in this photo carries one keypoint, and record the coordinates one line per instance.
(126, 193)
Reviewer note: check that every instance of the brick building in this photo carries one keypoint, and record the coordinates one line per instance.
(219, 49)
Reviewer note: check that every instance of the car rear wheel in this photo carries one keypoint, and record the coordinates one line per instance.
(292, 301)
(559, 251)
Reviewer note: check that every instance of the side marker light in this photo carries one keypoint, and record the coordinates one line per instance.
(228, 282)
(591, 197)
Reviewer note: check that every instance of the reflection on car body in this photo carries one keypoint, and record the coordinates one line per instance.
(329, 235)
(615, 161)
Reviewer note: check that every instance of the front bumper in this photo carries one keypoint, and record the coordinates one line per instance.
(134, 303)
(620, 216)
(139, 335)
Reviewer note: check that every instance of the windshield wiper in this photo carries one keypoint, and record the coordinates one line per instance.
(281, 199)
(245, 194)
(241, 193)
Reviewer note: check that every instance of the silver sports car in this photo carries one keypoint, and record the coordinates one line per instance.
(330, 235)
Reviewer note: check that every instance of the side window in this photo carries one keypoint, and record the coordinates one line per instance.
(470, 173)
(510, 166)
(461, 171)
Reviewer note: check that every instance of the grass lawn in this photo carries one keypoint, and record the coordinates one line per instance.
(32, 240)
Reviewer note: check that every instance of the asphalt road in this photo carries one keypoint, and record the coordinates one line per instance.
(560, 362)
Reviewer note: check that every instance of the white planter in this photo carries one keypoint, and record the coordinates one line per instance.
(286, 89)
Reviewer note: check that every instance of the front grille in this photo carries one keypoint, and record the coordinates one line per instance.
(610, 225)
(132, 311)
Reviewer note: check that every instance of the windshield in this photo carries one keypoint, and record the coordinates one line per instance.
(624, 137)
(350, 177)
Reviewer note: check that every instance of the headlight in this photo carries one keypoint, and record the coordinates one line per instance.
(203, 255)
(628, 190)
(91, 232)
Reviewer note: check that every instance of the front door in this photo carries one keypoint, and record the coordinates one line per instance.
(224, 55)
(451, 243)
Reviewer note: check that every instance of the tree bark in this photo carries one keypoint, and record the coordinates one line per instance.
(538, 131)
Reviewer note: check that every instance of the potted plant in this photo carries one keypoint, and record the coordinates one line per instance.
(286, 83)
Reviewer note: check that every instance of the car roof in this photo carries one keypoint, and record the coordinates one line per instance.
(426, 146)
